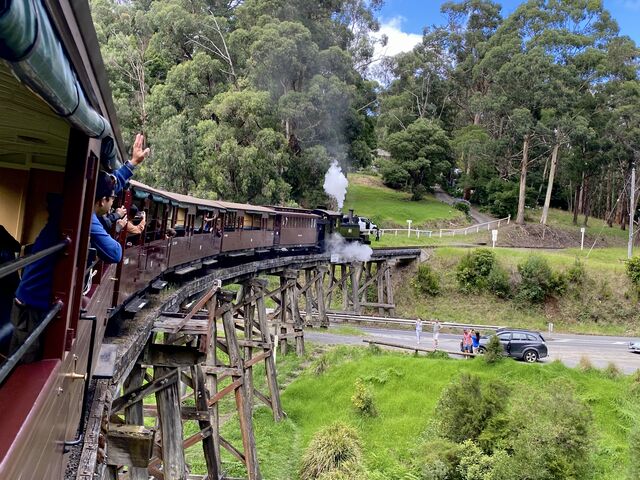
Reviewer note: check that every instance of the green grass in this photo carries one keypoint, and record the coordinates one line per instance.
(392, 208)
(406, 391)
(605, 304)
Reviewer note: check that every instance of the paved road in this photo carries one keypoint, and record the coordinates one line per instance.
(569, 349)
(476, 215)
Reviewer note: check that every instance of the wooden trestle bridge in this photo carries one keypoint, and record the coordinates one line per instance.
(175, 349)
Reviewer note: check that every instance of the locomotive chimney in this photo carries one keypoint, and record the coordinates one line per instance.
(351, 215)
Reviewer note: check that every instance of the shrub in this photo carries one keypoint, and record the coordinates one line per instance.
(426, 281)
(536, 279)
(466, 406)
(474, 269)
(393, 175)
(335, 447)
(494, 352)
(463, 207)
(362, 399)
(321, 365)
(438, 459)
(558, 284)
(438, 355)
(633, 271)
(612, 371)
(577, 274)
(498, 282)
(418, 193)
(585, 364)
(558, 444)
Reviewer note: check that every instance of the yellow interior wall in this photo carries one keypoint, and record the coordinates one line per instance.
(13, 197)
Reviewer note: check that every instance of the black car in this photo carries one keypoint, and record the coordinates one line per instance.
(521, 344)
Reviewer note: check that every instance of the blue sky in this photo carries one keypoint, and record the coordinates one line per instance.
(403, 20)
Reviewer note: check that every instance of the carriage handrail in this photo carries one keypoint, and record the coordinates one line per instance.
(17, 264)
(15, 357)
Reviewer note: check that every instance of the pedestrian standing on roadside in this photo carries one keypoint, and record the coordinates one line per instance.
(466, 341)
(475, 338)
(436, 333)
(418, 329)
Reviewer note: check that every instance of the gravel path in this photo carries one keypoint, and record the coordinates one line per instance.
(476, 215)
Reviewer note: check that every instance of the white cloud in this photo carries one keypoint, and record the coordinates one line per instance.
(398, 41)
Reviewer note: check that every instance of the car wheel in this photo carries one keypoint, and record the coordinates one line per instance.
(482, 350)
(530, 356)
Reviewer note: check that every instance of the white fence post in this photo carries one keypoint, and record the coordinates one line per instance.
(508, 219)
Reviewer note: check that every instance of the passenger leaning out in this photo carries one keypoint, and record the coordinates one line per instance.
(108, 186)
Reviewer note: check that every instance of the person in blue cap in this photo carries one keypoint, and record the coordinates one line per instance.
(34, 294)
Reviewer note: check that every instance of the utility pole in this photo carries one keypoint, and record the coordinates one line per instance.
(632, 205)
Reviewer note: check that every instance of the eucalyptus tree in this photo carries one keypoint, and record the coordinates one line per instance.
(548, 54)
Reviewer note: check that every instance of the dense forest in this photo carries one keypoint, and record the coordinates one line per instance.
(251, 100)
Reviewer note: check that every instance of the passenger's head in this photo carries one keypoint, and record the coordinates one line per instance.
(105, 193)
(133, 211)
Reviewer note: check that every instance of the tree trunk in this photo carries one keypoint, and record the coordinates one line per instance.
(608, 213)
(578, 210)
(575, 206)
(586, 202)
(552, 172)
(466, 193)
(523, 181)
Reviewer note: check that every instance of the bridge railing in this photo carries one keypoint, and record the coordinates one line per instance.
(447, 232)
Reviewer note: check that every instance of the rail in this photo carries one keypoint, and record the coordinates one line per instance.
(448, 232)
(341, 316)
(418, 349)
(15, 265)
(15, 357)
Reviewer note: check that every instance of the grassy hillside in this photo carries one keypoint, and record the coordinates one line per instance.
(606, 303)
(391, 208)
(406, 390)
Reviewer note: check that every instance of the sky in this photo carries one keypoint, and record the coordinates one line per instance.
(403, 20)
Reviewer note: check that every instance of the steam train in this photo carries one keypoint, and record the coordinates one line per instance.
(58, 128)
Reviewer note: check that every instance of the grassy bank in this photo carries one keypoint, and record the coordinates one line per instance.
(605, 304)
(406, 390)
(391, 208)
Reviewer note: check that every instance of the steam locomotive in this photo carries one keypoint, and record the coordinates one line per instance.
(57, 126)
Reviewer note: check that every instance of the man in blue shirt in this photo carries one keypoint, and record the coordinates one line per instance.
(33, 296)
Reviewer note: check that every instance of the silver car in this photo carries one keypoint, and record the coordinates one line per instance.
(634, 347)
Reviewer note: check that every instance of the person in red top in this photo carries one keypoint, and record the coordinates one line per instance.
(467, 341)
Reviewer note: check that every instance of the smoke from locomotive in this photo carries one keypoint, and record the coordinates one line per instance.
(336, 183)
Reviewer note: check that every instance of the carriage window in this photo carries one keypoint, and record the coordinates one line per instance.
(229, 221)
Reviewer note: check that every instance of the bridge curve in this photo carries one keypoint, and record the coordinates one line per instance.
(177, 335)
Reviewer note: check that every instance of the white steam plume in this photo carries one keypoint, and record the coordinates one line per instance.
(335, 183)
(343, 251)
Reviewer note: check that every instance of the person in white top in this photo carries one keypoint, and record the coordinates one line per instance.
(418, 329)
(436, 333)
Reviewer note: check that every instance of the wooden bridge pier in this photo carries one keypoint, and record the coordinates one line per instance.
(353, 280)
(183, 350)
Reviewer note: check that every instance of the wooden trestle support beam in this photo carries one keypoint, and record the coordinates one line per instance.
(184, 351)
(354, 281)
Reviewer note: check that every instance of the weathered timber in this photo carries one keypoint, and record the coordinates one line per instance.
(134, 415)
(158, 383)
(172, 355)
(270, 368)
(168, 401)
(241, 395)
(129, 445)
(209, 447)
